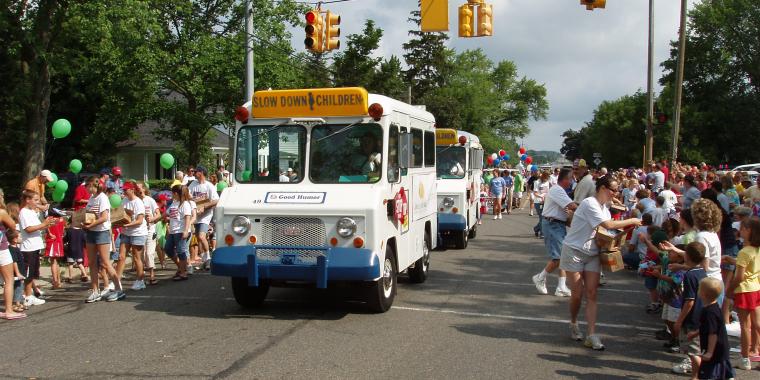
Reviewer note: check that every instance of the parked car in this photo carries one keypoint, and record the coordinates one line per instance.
(748, 167)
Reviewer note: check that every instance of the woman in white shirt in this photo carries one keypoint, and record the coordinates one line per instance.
(7, 224)
(134, 235)
(152, 215)
(179, 215)
(31, 242)
(98, 240)
(580, 256)
(540, 189)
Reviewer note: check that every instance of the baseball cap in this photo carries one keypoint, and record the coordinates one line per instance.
(116, 170)
(105, 171)
(201, 169)
(582, 163)
(129, 185)
(290, 169)
(47, 174)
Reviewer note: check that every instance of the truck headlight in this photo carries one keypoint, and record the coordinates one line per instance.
(346, 227)
(241, 225)
(448, 202)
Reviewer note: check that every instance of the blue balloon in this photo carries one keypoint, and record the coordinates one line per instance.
(524, 156)
(506, 157)
(497, 161)
(535, 167)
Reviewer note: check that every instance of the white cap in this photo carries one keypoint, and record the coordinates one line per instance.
(47, 174)
(290, 169)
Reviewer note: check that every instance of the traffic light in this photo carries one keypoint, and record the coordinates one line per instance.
(314, 31)
(332, 31)
(485, 18)
(465, 21)
(661, 118)
(593, 4)
(434, 15)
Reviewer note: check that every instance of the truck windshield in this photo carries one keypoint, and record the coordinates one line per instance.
(344, 153)
(451, 162)
(270, 154)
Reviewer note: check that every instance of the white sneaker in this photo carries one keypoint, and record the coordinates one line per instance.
(105, 292)
(744, 364)
(562, 292)
(540, 284)
(575, 332)
(683, 368)
(190, 269)
(495, 217)
(205, 257)
(111, 286)
(734, 329)
(93, 297)
(33, 301)
(138, 285)
(594, 342)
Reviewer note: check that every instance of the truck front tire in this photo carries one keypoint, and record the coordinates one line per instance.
(248, 296)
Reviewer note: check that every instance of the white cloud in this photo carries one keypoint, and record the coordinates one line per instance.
(582, 57)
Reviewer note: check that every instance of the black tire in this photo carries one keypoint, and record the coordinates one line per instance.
(419, 272)
(248, 296)
(473, 232)
(381, 293)
(460, 239)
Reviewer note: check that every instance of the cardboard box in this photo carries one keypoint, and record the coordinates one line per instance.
(610, 240)
(80, 217)
(119, 216)
(202, 202)
(611, 261)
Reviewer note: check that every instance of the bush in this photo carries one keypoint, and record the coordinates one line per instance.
(160, 184)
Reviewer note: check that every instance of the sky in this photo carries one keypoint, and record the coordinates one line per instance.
(582, 57)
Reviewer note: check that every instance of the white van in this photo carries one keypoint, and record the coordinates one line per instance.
(330, 185)
(459, 171)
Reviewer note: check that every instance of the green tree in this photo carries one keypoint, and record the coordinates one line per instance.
(427, 59)
(389, 80)
(721, 104)
(356, 67)
(572, 143)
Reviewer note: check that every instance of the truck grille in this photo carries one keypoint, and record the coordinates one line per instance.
(292, 232)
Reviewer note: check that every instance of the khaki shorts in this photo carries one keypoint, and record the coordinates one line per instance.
(670, 313)
(690, 347)
(573, 260)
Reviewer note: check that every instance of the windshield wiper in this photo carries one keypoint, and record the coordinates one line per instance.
(339, 131)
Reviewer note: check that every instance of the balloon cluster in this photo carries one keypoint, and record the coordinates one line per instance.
(496, 158)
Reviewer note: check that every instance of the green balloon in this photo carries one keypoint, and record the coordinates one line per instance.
(115, 200)
(58, 196)
(221, 186)
(247, 175)
(167, 160)
(75, 166)
(61, 128)
(52, 183)
(61, 186)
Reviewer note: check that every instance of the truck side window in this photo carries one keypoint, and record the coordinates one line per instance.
(416, 148)
(429, 149)
(393, 169)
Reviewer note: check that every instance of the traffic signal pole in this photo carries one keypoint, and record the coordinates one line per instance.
(679, 81)
(648, 152)
(248, 49)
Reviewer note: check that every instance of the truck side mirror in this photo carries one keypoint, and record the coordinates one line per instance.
(404, 150)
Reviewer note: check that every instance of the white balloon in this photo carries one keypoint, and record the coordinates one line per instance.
(494, 156)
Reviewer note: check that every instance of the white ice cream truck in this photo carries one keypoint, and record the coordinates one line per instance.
(459, 171)
(331, 185)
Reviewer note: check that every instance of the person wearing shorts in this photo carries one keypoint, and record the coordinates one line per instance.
(205, 191)
(497, 192)
(554, 219)
(152, 214)
(178, 236)
(745, 290)
(32, 243)
(580, 256)
(134, 235)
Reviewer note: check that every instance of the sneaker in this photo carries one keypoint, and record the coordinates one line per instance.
(663, 334)
(654, 308)
(540, 284)
(93, 297)
(33, 301)
(594, 342)
(190, 269)
(744, 364)
(499, 216)
(683, 368)
(116, 295)
(111, 286)
(205, 257)
(37, 292)
(495, 217)
(138, 285)
(562, 292)
(673, 346)
(575, 332)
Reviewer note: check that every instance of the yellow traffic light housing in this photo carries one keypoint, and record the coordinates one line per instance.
(485, 20)
(593, 4)
(314, 30)
(332, 31)
(466, 21)
(434, 15)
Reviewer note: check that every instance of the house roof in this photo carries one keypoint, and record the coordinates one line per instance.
(143, 137)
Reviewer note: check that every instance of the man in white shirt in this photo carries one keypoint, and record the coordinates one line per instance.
(585, 187)
(554, 178)
(189, 177)
(205, 196)
(658, 179)
(557, 207)
(671, 199)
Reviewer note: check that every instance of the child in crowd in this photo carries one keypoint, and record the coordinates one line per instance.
(650, 266)
(659, 213)
(713, 362)
(54, 250)
(745, 290)
(687, 233)
(669, 289)
(14, 239)
(691, 306)
(637, 249)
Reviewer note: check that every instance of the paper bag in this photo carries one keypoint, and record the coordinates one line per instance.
(611, 261)
(610, 240)
(119, 217)
(80, 217)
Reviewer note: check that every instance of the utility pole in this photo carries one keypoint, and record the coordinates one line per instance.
(648, 152)
(679, 81)
(249, 49)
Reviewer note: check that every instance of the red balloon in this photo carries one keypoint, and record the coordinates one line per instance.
(529, 160)
(489, 160)
(502, 153)
(522, 150)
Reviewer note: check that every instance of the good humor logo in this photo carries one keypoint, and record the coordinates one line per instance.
(295, 198)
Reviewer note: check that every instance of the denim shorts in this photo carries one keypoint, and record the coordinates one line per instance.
(650, 283)
(733, 252)
(134, 240)
(201, 228)
(176, 246)
(554, 235)
(98, 237)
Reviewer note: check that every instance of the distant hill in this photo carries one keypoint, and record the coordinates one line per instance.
(541, 157)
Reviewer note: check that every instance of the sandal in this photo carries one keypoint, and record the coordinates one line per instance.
(13, 316)
(18, 308)
(179, 278)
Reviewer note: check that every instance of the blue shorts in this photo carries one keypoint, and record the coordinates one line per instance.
(201, 228)
(733, 252)
(650, 283)
(176, 246)
(134, 240)
(98, 237)
(554, 234)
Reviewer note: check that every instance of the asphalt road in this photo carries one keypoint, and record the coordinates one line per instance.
(477, 316)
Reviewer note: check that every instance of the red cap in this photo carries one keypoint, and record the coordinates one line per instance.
(163, 197)
(129, 186)
(116, 170)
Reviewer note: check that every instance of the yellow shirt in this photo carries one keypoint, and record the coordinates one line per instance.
(749, 259)
(739, 188)
(37, 186)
